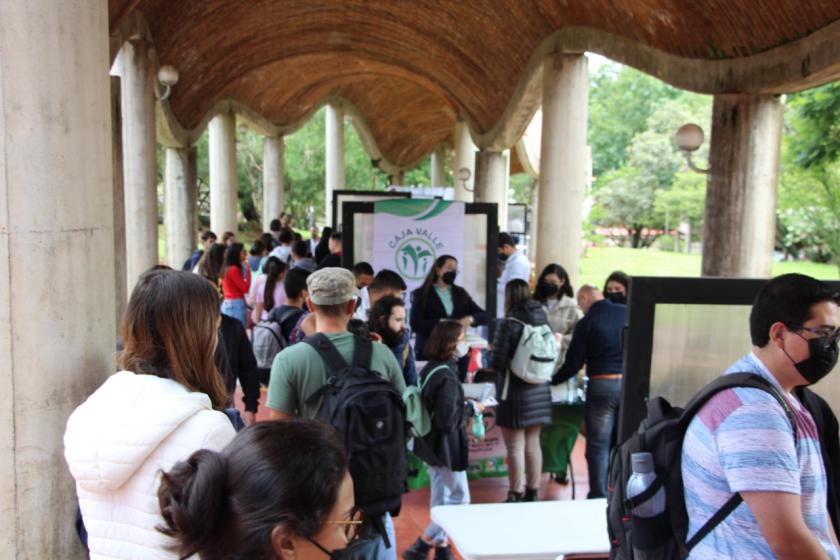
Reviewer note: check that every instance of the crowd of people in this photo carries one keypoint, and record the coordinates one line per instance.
(162, 473)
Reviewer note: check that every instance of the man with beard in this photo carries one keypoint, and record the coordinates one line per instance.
(387, 319)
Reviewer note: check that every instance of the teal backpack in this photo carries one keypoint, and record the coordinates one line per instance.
(416, 412)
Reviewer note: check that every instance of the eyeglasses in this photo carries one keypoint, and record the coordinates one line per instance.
(827, 334)
(350, 526)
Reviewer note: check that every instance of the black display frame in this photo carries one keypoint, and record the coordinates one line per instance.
(491, 210)
(645, 293)
(379, 194)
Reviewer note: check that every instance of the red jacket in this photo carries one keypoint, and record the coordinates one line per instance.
(234, 285)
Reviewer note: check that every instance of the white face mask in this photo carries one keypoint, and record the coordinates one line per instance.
(462, 349)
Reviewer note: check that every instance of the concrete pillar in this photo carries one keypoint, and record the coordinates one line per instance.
(139, 159)
(740, 221)
(334, 179)
(223, 190)
(180, 204)
(398, 179)
(120, 278)
(56, 258)
(273, 170)
(534, 225)
(563, 170)
(464, 158)
(490, 171)
(438, 165)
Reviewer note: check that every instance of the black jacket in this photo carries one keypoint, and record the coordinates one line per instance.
(526, 404)
(426, 312)
(829, 445)
(446, 444)
(235, 359)
(331, 260)
(596, 342)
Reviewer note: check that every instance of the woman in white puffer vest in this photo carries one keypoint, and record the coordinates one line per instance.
(165, 404)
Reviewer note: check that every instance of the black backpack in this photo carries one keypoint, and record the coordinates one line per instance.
(661, 433)
(369, 414)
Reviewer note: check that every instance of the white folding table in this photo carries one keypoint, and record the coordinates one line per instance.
(532, 531)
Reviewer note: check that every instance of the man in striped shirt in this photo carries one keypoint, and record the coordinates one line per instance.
(743, 441)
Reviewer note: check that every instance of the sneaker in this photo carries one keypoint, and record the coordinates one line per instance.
(418, 551)
(443, 553)
(530, 495)
(513, 497)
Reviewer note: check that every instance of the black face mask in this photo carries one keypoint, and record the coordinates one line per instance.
(547, 289)
(449, 277)
(616, 297)
(502, 257)
(822, 360)
(361, 549)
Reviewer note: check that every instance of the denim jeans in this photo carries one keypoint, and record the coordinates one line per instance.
(448, 488)
(390, 553)
(602, 399)
(237, 309)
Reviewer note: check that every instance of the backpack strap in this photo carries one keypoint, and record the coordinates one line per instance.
(269, 329)
(332, 358)
(362, 352)
(722, 383)
(430, 374)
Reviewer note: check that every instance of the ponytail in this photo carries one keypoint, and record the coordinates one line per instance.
(192, 498)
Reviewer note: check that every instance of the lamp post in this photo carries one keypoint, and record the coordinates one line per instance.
(689, 139)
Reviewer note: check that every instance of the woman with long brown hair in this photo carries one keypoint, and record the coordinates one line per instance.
(164, 404)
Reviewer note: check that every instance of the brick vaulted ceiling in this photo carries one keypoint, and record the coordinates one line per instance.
(411, 67)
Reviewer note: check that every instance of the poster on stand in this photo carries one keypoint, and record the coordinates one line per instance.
(409, 234)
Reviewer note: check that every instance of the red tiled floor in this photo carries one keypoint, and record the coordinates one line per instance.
(414, 515)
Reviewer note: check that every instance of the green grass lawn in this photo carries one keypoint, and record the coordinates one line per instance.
(598, 263)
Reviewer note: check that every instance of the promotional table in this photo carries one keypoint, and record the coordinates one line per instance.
(528, 531)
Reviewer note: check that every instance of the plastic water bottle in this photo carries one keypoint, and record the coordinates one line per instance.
(642, 477)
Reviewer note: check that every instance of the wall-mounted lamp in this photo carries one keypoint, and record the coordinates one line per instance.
(689, 139)
(464, 175)
(168, 77)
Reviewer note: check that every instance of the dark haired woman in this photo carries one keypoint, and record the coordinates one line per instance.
(268, 289)
(444, 448)
(323, 248)
(279, 491)
(257, 252)
(165, 404)
(616, 287)
(439, 298)
(235, 283)
(211, 263)
(523, 407)
(555, 293)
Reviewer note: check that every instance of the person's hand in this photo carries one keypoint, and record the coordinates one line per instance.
(376, 337)
(249, 417)
(478, 406)
(466, 321)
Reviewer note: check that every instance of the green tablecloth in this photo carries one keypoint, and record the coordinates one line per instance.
(558, 438)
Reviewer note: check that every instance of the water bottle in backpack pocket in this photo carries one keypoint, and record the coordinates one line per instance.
(648, 520)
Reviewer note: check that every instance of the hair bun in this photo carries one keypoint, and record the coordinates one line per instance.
(192, 500)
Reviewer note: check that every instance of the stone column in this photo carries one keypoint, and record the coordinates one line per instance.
(438, 165)
(490, 170)
(139, 159)
(120, 278)
(740, 221)
(273, 170)
(56, 258)
(334, 179)
(180, 201)
(398, 179)
(464, 158)
(562, 182)
(223, 190)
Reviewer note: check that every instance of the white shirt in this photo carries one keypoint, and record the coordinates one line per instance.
(282, 252)
(516, 266)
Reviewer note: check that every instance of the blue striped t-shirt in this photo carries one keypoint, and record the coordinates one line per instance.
(742, 440)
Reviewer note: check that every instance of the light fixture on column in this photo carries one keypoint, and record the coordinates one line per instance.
(167, 76)
(464, 175)
(689, 139)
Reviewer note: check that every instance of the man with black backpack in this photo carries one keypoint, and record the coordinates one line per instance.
(742, 441)
(354, 384)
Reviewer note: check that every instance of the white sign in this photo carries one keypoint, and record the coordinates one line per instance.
(409, 234)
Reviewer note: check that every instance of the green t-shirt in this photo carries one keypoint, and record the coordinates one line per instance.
(445, 295)
(298, 371)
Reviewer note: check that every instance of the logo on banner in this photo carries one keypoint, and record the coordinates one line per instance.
(414, 257)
